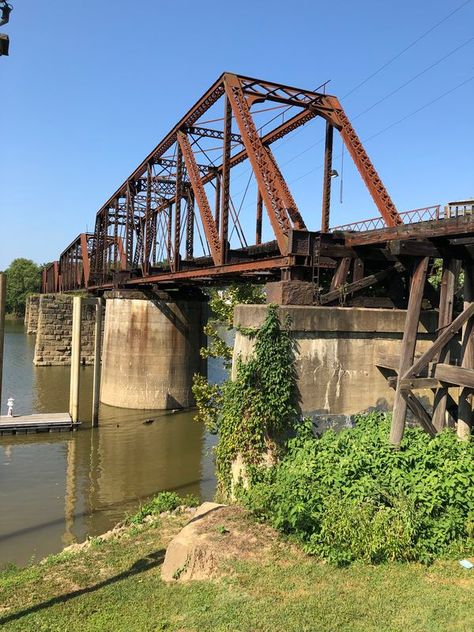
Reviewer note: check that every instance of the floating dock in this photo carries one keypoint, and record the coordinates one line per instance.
(26, 424)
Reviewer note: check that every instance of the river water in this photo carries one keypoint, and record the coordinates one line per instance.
(58, 488)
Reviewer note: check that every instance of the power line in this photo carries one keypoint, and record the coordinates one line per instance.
(401, 120)
(395, 57)
(390, 94)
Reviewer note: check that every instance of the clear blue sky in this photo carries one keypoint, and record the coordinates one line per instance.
(90, 88)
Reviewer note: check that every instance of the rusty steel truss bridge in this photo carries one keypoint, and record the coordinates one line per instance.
(169, 224)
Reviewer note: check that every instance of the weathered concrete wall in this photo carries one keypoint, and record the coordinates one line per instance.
(336, 350)
(32, 313)
(54, 333)
(151, 351)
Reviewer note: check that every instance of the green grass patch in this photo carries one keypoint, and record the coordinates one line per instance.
(117, 587)
(164, 501)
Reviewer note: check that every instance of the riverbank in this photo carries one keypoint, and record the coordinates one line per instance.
(114, 584)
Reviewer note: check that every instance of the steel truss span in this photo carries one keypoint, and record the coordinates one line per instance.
(172, 220)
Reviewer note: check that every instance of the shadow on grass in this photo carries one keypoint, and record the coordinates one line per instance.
(141, 565)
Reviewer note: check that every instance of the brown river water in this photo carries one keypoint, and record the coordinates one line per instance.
(58, 488)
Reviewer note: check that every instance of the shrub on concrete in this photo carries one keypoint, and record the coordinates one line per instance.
(350, 496)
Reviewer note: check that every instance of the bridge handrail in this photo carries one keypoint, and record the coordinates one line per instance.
(424, 214)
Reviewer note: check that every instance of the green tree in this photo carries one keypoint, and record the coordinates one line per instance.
(23, 278)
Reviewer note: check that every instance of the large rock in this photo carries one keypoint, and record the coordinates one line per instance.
(216, 534)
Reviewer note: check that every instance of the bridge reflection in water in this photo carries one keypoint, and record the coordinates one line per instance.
(60, 488)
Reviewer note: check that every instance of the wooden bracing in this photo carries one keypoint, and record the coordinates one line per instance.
(432, 369)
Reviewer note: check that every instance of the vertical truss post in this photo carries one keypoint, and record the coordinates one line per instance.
(445, 316)
(149, 235)
(224, 224)
(258, 226)
(217, 206)
(467, 355)
(190, 226)
(192, 169)
(407, 352)
(327, 178)
(177, 206)
(169, 236)
(115, 250)
(129, 224)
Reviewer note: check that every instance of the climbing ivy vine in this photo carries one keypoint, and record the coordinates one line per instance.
(255, 410)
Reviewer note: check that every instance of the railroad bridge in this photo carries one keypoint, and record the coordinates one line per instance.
(172, 227)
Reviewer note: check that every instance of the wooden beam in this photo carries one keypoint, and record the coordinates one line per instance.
(467, 355)
(416, 383)
(419, 411)
(455, 375)
(445, 316)
(413, 248)
(408, 347)
(424, 230)
(356, 286)
(340, 274)
(440, 342)
(357, 270)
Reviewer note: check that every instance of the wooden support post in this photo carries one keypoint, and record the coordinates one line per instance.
(445, 316)
(340, 274)
(3, 299)
(358, 270)
(75, 358)
(467, 355)
(97, 363)
(408, 347)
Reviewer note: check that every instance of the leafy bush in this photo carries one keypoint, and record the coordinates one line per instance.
(253, 411)
(164, 501)
(350, 496)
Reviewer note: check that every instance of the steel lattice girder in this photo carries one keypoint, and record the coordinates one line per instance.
(161, 184)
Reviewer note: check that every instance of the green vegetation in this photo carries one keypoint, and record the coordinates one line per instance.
(165, 501)
(221, 304)
(349, 496)
(116, 587)
(252, 412)
(23, 278)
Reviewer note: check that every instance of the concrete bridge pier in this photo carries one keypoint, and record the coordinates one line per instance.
(151, 348)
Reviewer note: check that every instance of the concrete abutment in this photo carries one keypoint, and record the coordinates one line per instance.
(336, 352)
(151, 349)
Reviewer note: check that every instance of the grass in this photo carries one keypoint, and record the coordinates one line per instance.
(116, 586)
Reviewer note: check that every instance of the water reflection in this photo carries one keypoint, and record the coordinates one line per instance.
(59, 488)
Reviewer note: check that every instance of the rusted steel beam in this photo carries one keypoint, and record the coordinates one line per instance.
(225, 177)
(363, 163)
(213, 133)
(266, 175)
(327, 178)
(246, 267)
(201, 198)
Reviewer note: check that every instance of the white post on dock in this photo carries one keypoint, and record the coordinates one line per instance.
(75, 358)
(97, 364)
(3, 299)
